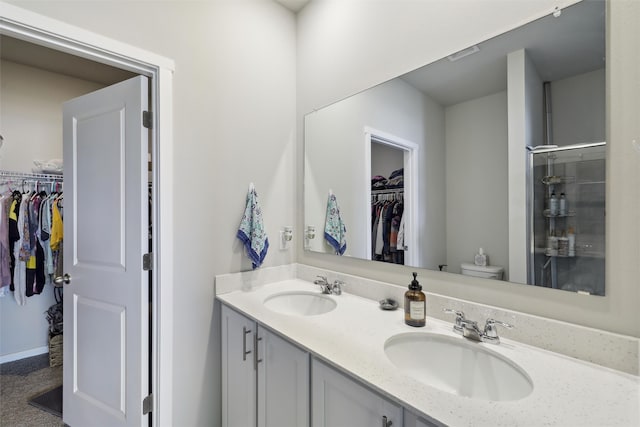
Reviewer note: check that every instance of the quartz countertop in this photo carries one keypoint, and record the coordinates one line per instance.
(567, 391)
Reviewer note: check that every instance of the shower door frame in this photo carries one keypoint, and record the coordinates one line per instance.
(531, 273)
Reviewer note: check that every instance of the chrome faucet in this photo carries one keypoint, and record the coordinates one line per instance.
(334, 288)
(470, 330)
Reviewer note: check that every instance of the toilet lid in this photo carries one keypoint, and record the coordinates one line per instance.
(485, 269)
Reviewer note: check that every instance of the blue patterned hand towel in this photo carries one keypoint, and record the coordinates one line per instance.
(334, 228)
(251, 231)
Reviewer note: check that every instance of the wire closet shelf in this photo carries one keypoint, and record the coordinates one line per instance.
(34, 179)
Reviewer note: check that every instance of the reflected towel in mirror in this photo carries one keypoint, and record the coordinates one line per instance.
(334, 228)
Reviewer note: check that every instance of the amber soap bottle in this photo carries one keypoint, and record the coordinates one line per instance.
(414, 304)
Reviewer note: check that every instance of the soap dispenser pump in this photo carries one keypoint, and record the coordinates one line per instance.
(414, 304)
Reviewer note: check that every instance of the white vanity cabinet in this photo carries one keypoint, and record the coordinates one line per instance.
(265, 379)
(337, 400)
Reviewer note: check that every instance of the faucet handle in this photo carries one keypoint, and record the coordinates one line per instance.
(336, 287)
(459, 318)
(490, 331)
(322, 281)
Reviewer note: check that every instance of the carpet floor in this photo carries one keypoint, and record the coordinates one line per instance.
(22, 380)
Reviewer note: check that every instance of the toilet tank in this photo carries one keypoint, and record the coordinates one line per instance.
(487, 272)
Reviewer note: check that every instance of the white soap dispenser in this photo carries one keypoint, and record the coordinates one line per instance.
(481, 258)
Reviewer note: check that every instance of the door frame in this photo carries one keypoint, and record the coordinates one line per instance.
(411, 181)
(38, 29)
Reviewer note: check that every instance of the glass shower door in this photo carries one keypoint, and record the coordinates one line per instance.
(566, 204)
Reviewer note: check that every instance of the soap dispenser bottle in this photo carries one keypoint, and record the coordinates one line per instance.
(414, 304)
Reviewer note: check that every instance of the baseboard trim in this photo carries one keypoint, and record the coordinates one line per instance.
(24, 354)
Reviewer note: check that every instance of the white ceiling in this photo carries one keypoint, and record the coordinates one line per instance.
(37, 56)
(33, 55)
(560, 47)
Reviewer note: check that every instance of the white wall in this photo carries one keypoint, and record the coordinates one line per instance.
(385, 159)
(335, 137)
(31, 113)
(476, 164)
(346, 46)
(234, 122)
(31, 123)
(525, 106)
(578, 108)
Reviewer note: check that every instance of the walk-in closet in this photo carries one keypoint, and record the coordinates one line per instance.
(35, 81)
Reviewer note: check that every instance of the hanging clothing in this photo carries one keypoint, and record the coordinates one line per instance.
(45, 235)
(387, 211)
(22, 252)
(386, 220)
(400, 244)
(5, 258)
(27, 262)
(14, 233)
(57, 236)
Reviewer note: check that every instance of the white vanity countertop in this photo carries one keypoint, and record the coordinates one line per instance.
(567, 392)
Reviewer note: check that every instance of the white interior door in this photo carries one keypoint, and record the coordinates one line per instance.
(106, 309)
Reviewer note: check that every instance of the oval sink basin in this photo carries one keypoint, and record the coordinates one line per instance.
(458, 366)
(299, 303)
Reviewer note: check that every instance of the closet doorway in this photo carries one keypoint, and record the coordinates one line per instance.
(392, 180)
(129, 400)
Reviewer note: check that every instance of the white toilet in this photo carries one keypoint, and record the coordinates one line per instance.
(488, 272)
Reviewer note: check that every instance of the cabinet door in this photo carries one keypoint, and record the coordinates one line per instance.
(238, 373)
(283, 382)
(339, 401)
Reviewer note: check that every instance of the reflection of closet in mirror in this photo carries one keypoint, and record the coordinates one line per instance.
(387, 207)
(391, 182)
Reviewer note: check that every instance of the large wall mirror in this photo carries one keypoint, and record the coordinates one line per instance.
(500, 146)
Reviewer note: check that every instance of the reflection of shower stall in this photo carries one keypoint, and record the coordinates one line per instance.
(566, 208)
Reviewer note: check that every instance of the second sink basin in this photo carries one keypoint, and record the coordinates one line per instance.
(300, 303)
(457, 366)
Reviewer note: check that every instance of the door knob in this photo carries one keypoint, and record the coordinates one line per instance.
(62, 280)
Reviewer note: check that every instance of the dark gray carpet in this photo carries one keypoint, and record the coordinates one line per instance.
(50, 401)
(20, 381)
